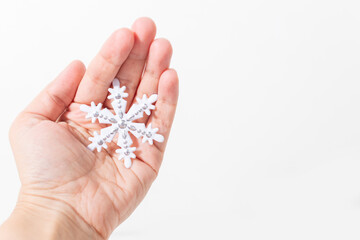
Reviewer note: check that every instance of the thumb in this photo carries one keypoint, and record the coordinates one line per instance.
(57, 96)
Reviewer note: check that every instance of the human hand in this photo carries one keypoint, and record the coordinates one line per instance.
(85, 191)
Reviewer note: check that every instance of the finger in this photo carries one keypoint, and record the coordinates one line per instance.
(163, 116)
(158, 61)
(57, 96)
(132, 69)
(104, 67)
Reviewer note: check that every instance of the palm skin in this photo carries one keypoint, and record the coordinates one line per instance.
(50, 136)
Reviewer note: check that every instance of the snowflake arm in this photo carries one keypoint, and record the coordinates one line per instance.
(127, 154)
(107, 134)
(137, 129)
(151, 135)
(116, 91)
(124, 139)
(148, 134)
(94, 112)
(97, 142)
(144, 105)
(118, 94)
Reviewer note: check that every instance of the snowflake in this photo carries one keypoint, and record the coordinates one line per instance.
(122, 123)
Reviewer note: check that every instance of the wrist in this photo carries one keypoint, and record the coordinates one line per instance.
(37, 217)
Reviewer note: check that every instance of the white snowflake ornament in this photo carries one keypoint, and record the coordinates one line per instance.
(122, 123)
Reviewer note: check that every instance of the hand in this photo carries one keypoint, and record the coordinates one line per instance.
(59, 175)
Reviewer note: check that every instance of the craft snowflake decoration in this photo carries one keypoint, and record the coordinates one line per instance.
(122, 123)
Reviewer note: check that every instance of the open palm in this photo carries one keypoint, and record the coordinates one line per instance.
(50, 136)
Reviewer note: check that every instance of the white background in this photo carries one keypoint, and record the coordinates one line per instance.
(266, 141)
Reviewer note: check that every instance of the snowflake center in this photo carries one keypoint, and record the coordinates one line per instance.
(122, 125)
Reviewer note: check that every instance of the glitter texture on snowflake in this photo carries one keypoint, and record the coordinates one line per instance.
(122, 123)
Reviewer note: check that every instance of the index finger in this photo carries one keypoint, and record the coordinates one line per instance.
(104, 67)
